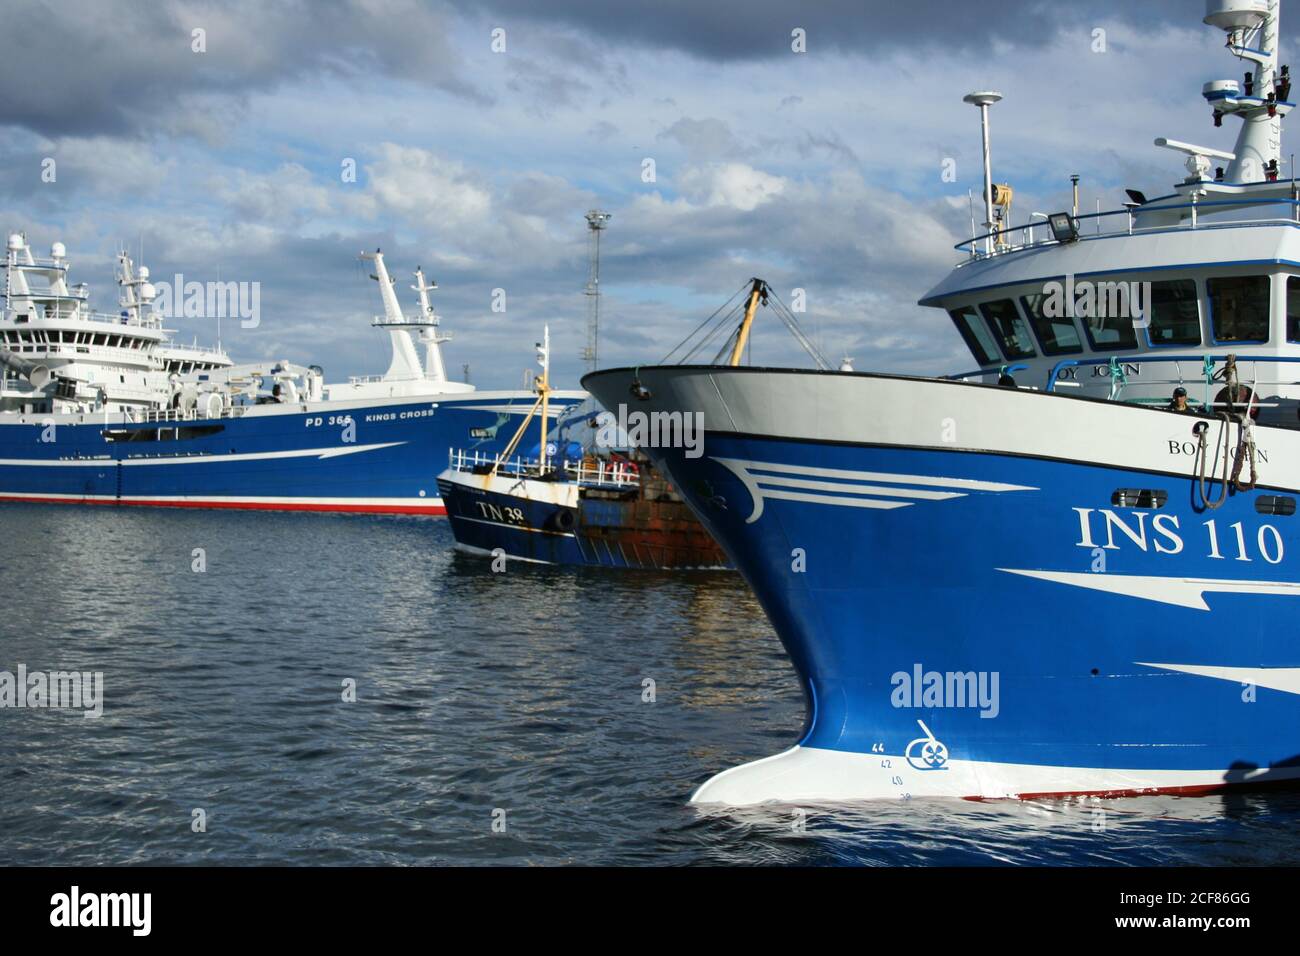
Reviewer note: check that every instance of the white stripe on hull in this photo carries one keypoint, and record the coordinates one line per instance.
(1285, 679)
(808, 775)
(429, 503)
(852, 489)
(559, 493)
(1180, 592)
(333, 451)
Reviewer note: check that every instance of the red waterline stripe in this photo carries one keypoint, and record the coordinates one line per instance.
(1190, 790)
(241, 505)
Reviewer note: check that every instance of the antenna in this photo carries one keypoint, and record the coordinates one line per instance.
(984, 99)
(1259, 99)
(597, 220)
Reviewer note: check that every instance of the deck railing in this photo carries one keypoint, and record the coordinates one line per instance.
(198, 349)
(148, 416)
(1126, 221)
(149, 320)
(1207, 373)
(602, 473)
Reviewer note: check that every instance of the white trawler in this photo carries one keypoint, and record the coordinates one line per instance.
(110, 409)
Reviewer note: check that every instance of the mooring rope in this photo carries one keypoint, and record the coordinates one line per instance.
(1245, 440)
(1202, 456)
(1245, 446)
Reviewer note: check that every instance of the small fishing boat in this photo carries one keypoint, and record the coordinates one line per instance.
(564, 503)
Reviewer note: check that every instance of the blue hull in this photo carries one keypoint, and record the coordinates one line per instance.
(886, 591)
(622, 531)
(382, 457)
(972, 623)
(488, 522)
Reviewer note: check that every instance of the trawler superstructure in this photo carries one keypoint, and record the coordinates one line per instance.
(116, 362)
(110, 409)
(1055, 574)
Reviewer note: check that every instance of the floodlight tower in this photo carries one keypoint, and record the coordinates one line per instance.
(597, 220)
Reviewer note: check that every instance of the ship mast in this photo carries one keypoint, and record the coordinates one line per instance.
(543, 384)
(1259, 99)
(759, 291)
(406, 361)
(1253, 36)
(431, 335)
(544, 387)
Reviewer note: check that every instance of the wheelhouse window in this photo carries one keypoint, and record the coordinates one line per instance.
(1175, 313)
(1293, 308)
(1239, 308)
(1106, 318)
(1011, 331)
(1056, 334)
(977, 337)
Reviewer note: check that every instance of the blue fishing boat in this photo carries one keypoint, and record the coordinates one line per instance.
(1074, 569)
(110, 409)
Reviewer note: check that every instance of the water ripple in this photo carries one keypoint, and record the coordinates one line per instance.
(479, 697)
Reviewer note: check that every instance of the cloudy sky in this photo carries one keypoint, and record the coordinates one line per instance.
(820, 170)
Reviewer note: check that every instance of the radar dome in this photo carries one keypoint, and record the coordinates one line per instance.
(1235, 14)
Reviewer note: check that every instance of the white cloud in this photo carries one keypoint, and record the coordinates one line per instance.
(737, 185)
(289, 195)
(421, 186)
(820, 176)
(120, 168)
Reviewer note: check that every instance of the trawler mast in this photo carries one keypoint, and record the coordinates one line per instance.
(1259, 99)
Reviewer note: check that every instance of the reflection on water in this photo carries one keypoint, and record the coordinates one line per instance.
(1238, 829)
(476, 691)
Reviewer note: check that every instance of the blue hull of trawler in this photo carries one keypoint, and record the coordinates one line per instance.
(1077, 662)
(971, 623)
(380, 457)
